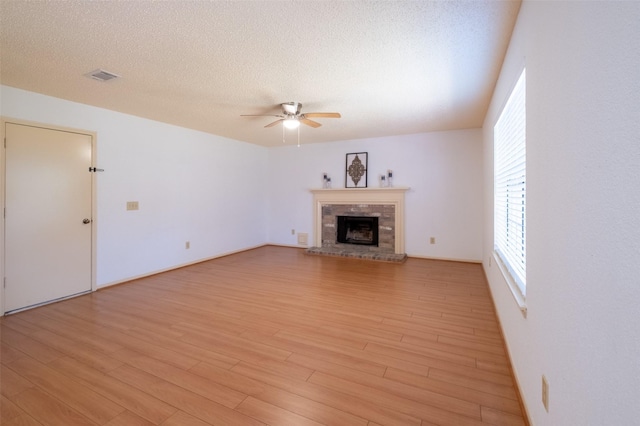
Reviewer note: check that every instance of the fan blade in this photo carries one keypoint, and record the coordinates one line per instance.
(274, 123)
(310, 122)
(322, 114)
(261, 115)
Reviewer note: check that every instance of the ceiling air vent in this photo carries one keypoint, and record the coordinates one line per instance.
(102, 75)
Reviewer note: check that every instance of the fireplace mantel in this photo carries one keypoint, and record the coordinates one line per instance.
(376, 196)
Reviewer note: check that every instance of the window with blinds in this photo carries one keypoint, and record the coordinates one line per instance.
(509, 222)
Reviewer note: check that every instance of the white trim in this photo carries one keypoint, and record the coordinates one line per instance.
(182, 265)
(297, 246)
(523, 402)
(448, 259)
(513, 286)
(48, 302)
(387, 196)
(94, 197)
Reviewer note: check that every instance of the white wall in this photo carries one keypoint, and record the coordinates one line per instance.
(583, 205)
(191, 186)
(443, 170)
(214, 192)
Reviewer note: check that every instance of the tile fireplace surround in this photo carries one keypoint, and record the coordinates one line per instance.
(385, 203)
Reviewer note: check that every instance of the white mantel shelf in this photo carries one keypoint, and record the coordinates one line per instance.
(391, 195)
(387, 189)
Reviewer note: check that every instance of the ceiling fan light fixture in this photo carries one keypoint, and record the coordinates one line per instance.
(291, 123)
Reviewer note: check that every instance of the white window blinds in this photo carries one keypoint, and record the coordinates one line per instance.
(510, 184)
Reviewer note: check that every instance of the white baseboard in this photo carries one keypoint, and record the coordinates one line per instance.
(182, 265)
(450, 259)
(287, 245)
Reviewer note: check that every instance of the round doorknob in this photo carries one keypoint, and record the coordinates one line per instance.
(85, 221)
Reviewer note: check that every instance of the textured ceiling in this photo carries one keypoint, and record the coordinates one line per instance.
(389, 67)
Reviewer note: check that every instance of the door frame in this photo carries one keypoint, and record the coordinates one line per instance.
(3, 176)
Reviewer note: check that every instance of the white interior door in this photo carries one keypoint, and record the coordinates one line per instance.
(48, 215)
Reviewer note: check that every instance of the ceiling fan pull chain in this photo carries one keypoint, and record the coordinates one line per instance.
(298, 136)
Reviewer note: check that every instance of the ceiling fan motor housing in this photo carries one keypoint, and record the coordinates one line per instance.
(291, 116)
(291, 108)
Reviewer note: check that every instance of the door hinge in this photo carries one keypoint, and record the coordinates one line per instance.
(4, 282)
(93, 170)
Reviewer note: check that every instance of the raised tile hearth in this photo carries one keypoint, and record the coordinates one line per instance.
(356, 254)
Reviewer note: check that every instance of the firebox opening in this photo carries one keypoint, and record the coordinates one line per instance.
(358, 230)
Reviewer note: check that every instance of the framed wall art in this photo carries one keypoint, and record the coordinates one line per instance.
(356, 170)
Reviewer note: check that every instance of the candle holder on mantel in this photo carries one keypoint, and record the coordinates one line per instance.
(326, 181)
(389, 178)
(383, 181)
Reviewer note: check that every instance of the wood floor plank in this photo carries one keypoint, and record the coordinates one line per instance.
(270, 414)
(231, 345)
(12, 383)
(308, 408)
(151, 349)
(428, 395)
(134, 400)
(8, 410)
(85, 401)
(409, 361)
(503, 368)
(48, 411)
(266, 336)
(9, 354)
(191, 351)
(359, 406)
(181, 418)
(188, 401)
(76, 350)
(29, 346)
(442, 345)
(497, 417)
(22, 420)
(496, 384)
(129, 419)
(19, 324)
(355, 359)
(229, 378)
(507, 403)
(197, 384)
(76, 329)
(400, 401)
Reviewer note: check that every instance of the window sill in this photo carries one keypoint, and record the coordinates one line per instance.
(513, 287)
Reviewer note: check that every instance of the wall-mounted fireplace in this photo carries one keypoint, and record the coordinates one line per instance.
(357, 230)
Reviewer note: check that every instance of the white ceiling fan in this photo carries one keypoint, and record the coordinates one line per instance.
(291, 116)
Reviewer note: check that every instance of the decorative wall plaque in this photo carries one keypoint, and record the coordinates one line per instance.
(356, 173)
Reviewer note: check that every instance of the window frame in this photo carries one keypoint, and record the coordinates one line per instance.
(509, 174)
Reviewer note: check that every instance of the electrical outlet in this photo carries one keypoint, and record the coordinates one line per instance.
(187, 245)
(132, 205)
(303, 238)
(432, 240)
(545, 393)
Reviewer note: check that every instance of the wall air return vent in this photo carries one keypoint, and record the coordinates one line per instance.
(102, 75)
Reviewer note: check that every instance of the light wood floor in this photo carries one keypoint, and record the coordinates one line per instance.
(268, 336)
